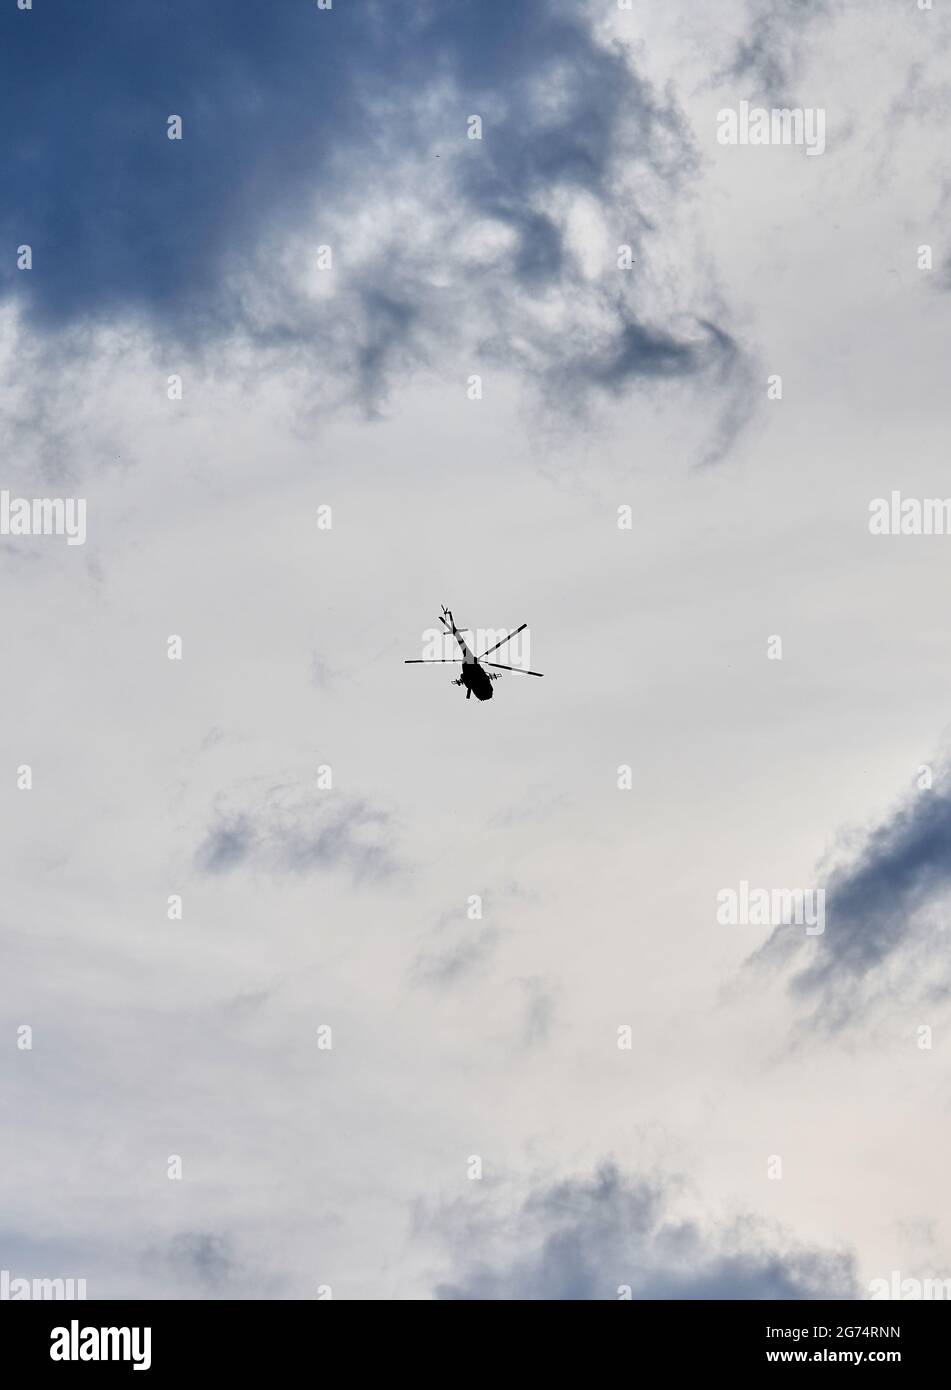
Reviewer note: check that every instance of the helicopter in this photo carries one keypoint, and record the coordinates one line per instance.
(476, 681)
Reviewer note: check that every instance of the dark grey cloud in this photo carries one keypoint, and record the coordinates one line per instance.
(884, 924)
(202, 1257)
(560, 111)
(118, 215)
(458, 949)
(639, 350)
(284, 108)
(455, 952)
(767, 56)
(201, 1263)
(595, 123)
(228, 844)
(292, 830)
(587, 1237)
(295, 123)
(191, 1263)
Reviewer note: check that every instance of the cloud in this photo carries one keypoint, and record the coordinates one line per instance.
(882, 928)
(457, 951)
(321, 673)
(280, 107)
(349, 128)
(588, 1237)
(290, 829)
(539, 1010)
(768, 54)
(198, 1257)
(190, 1263)
(119, 215)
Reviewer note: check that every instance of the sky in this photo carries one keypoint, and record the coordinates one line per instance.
(449, 1011)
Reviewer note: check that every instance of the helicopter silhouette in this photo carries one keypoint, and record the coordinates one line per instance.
(476, 681)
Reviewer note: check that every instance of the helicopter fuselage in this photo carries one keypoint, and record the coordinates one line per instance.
(476, 680)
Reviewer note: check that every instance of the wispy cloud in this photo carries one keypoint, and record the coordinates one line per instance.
(883, 930)
(455, 953)
(290, 829)
(768, 54)
(592, 1237)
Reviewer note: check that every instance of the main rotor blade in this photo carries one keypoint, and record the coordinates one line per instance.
(502, 644)
(430, 660)
(503, 667)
